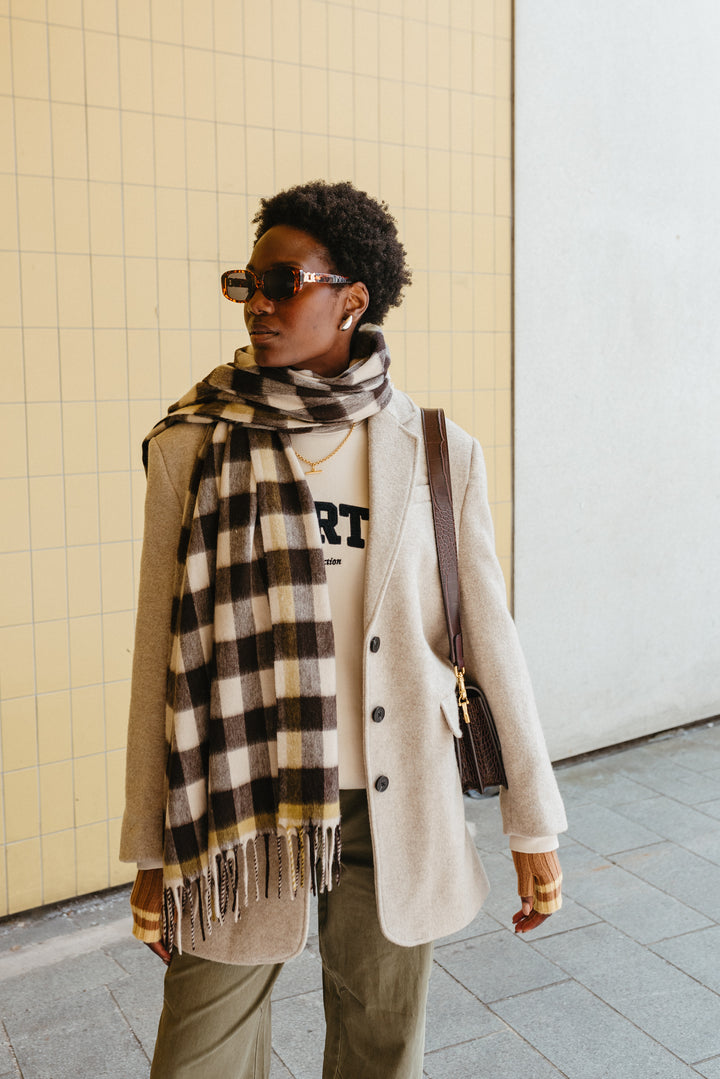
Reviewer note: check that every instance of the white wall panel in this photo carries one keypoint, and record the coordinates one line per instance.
(617, 364)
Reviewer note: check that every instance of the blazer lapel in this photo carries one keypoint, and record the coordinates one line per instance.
(393, 462)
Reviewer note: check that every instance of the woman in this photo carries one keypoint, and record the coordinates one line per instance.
(291, 676)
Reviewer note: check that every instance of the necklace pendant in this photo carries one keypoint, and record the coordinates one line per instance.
(314, 464)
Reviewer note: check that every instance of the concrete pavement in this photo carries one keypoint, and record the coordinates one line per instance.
(623, 982)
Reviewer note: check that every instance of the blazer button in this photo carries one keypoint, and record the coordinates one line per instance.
(375, 644)
(382, 783)
(378, 714)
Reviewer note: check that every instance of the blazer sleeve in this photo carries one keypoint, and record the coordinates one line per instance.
(145, 791)
(531, 806)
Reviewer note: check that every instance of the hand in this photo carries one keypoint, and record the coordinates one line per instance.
(159, 948)
(527, 918)
(539, 888)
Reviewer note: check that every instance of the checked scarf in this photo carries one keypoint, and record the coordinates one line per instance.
(251, 710)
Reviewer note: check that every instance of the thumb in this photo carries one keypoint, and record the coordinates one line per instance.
(527, 904)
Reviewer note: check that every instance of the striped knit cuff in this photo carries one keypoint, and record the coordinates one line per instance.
(540, 876)
(146, 905)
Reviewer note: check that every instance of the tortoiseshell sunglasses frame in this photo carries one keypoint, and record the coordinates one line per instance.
(300, 279)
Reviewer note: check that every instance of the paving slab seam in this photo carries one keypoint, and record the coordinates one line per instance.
(125, 969)
(284, 1064)
(622, 1014)
(494, 1034)
(671, 842)
(679, 936)
(467, 1041)
(683, 970)
(539, 1052)
(611, 860)
(128, 1023)
(665, 760)
(651, 944)
(696, 807)
(595, 920)
(9, 1044)
(627, 869)
(626, 850)
(449, 973)
(526, 992)
(657, 788)
(587, 847)
(605, 1004)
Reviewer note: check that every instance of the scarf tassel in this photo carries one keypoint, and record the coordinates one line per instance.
(312, 854)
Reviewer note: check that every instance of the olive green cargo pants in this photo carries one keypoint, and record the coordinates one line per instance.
(216, 1016)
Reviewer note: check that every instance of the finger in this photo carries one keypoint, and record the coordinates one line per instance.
(160, 950)
(520, 923)
(521, 915)
(527, 903)
(531, 921)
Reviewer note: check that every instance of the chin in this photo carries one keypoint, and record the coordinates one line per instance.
(266, 356)
(265, 359)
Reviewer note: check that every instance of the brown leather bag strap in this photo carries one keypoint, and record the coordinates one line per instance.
(438, 466)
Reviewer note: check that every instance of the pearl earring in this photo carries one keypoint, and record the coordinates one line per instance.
(347, 323)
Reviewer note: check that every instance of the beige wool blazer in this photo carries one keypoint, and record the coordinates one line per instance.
(429, 880)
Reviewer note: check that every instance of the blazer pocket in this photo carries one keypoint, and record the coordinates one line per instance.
(421, 493)
(449, 706)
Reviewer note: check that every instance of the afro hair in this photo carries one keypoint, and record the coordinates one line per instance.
(359, 233)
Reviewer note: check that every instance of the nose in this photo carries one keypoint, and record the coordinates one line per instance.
(258, 303)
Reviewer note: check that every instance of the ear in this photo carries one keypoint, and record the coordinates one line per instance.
(357, 299)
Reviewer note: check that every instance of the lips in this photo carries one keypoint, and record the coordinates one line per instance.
(259, 331)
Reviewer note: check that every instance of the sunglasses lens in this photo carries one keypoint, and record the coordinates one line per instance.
(279, 284)
(238, 287)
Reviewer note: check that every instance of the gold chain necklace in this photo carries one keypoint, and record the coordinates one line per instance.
(314, 464)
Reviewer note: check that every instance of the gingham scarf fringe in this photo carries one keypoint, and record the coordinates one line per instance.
(252, 766)
(234, 880)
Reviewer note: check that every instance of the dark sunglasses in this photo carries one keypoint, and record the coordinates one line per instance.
(280, 283)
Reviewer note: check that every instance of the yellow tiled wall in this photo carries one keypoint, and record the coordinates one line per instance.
(135, 139)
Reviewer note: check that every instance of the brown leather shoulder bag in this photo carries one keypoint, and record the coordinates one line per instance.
(478, 751)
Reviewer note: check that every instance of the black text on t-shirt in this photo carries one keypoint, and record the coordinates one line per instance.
(343, 522)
